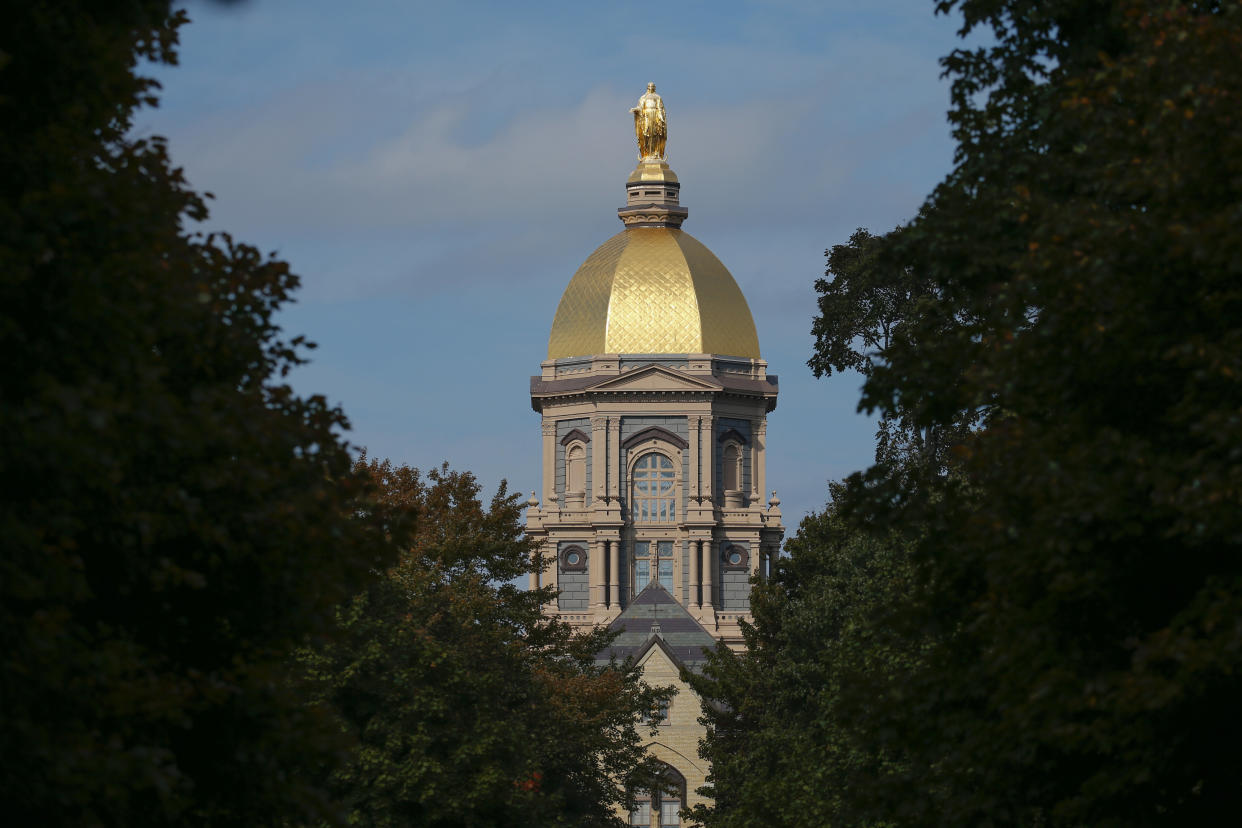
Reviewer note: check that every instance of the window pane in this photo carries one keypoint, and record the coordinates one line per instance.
(641, 815)
(665, 549)
(668, 813)
(666, 575)
(653, 486)
(642, 574)
(642, 549)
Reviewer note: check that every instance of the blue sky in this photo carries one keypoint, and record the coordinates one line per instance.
(435, 173)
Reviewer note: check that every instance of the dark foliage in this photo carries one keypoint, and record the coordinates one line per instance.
(1069, 646)
(174, 517)
(465, 705)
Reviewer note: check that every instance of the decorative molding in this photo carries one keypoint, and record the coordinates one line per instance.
(655, 433)
(728, 552)
(580, 566)
(732, 434)
(575, 434)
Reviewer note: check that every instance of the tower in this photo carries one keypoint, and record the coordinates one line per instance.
(654, 401)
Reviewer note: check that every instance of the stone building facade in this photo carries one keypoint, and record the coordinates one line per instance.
(654, 401)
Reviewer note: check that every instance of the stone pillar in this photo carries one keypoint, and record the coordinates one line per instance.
(599, 460)
(535, 573)
(707, 449)
(549, 459)
(614, 456)
(696, 548)
(705, 548)
(759, 440)
(614, 573)
(695, 453)
(596, 570)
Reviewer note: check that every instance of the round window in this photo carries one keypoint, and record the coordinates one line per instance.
(735, 557)
(573, 559)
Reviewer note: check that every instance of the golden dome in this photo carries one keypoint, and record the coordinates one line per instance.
(653, 290)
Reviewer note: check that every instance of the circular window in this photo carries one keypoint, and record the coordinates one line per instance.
(735, 557)
(573, 559)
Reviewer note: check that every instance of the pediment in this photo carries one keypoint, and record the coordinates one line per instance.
(655, 378)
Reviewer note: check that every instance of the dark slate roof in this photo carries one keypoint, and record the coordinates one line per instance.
(681, 635)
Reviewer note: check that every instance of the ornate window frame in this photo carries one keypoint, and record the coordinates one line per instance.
(734, 440)
(576, 440)
(728, 550)
(667, 452)
(564, 555)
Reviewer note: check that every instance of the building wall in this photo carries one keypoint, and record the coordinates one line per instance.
(677, 743)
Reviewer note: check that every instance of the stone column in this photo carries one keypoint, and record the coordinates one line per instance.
(599, 460)
(759, 440)
(596, 570)
(614, 456)
(708, 565)
(549, 459)
(696, 548)
(614, 573)
(707, 447)
(695, 453)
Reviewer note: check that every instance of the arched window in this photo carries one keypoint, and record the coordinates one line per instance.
(575, 469)
(652, 484)
(660, 809)
(732, 468)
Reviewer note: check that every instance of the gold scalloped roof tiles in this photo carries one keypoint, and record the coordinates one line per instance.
(653, 290)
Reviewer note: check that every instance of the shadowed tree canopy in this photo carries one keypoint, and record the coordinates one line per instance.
(466, 706)
(175, 518)
(1067, 651)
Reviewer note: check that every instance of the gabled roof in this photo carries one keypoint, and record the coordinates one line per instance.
(656, 378)
(654, 617)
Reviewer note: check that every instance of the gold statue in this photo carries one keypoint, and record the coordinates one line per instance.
(649, 125)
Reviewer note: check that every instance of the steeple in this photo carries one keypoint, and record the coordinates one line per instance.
(652, 192)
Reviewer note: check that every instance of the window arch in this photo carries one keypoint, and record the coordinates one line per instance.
(653, 485)
(575, 468)
(731, 467)
(661, 808)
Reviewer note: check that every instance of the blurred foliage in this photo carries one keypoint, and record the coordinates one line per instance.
(175, 518)
(465, 705)
(1067, 649)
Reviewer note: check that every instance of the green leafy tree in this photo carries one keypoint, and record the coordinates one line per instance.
(1067, 650)
(465, 705)
(866, 302)
(1081, 577)
(175, 518)
(783, 739)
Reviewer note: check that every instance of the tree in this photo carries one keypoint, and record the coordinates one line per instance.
(464, 704)
(866, 303)
(175, 518)
(783, 739)
(1081, 573)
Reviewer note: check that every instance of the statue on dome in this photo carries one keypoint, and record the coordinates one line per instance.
(649, 125)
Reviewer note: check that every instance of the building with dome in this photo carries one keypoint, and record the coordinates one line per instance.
(654, 400)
